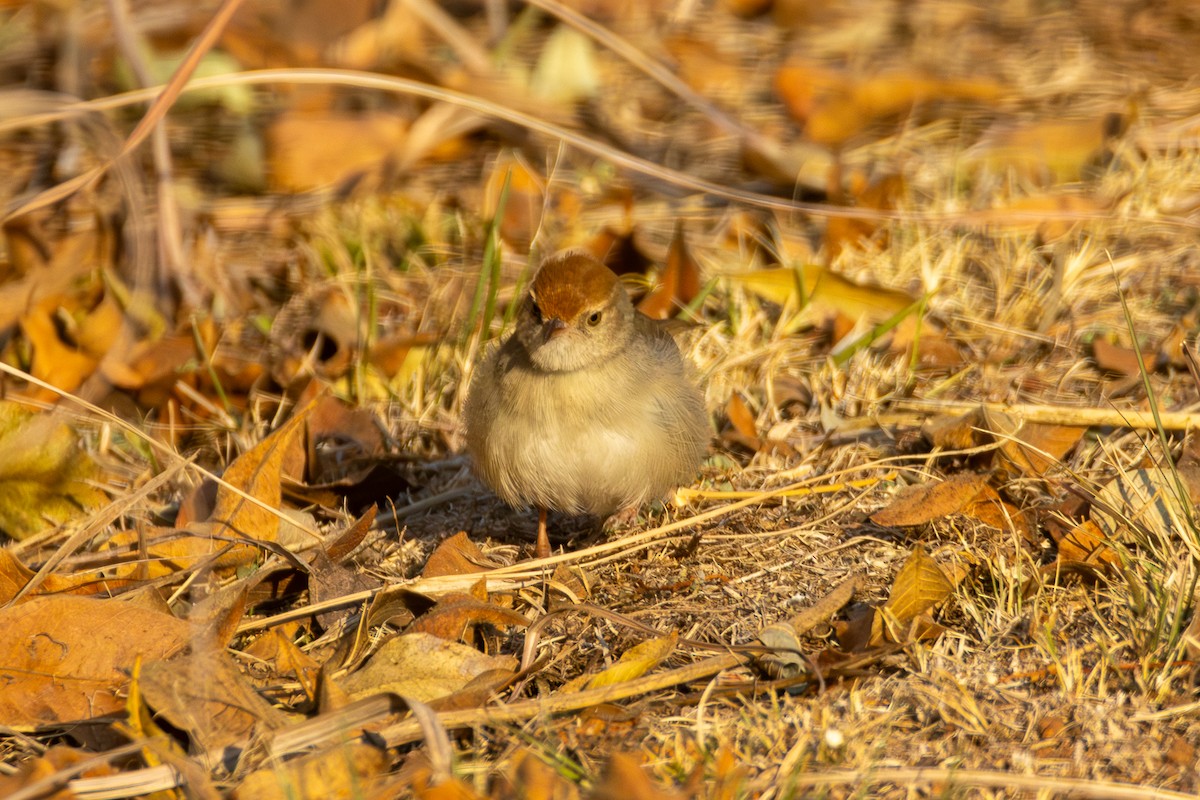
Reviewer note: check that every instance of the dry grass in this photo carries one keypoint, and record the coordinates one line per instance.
(1041, 684)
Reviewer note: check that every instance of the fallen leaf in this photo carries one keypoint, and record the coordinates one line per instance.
(45, 477)
(526, 199)
(678, 283)
(205, 695)
(919, 586)
(423, 667)
(1031, 449)
(456, 614)
(1120, 360)
(345, 770)
(457, 555)
(65, 658)
(1086, 542)
(636, 661)
(307, 149)
(924, 502)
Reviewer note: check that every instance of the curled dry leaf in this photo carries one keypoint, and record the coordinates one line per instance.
(1031, 449)
(457, 613)
(925, 502)
(457, 555)
(678, 283)
(1086, 542)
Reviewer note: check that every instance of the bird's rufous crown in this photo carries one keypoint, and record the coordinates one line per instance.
(568, 284)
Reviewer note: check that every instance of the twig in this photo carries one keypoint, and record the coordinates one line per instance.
(409, 730)
(1065, 415)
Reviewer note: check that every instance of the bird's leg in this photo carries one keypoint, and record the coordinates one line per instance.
(542, 550)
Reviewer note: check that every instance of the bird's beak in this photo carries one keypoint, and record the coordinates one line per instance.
(552, 327)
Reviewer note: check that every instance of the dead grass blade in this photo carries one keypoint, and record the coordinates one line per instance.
(1065, 415)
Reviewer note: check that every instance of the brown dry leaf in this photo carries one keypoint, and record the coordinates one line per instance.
(833, 106)
(308, 149)
(14, 575)
(990, 509)
(66, 658)
(45, 477)
(232, 520)
(346, 770)
(960, 432)
(744, 427)
(824, 609)
(55, 361)
(1056, 150)
(532, 778)
(205, 695)
(153, 367)
(423, 667)
(256, 473)
(625, 779)
(456, 614)
(620, 251)
(925, 502)
(569, 586)
(1087, 543)
(457, 555)
(919, 586)
(56, 760)
(1119, 359)
(678, 283)
(279, 648)
(525, 202)
(1032, 449)
(636, 661)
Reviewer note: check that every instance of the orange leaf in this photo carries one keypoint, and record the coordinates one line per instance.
(457, 555)
(925, 502)
(678, 284)
(69, 658)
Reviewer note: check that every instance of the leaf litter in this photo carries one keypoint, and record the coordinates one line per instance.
(939, 287)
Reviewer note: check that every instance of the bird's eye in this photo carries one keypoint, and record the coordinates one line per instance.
(594, 318)
(534, 311)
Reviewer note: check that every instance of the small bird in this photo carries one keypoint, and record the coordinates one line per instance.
(587, 407)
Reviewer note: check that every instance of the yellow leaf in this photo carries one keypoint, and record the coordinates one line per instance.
(824, 293)
(636, 662)
(920, 585)
(45, 478)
